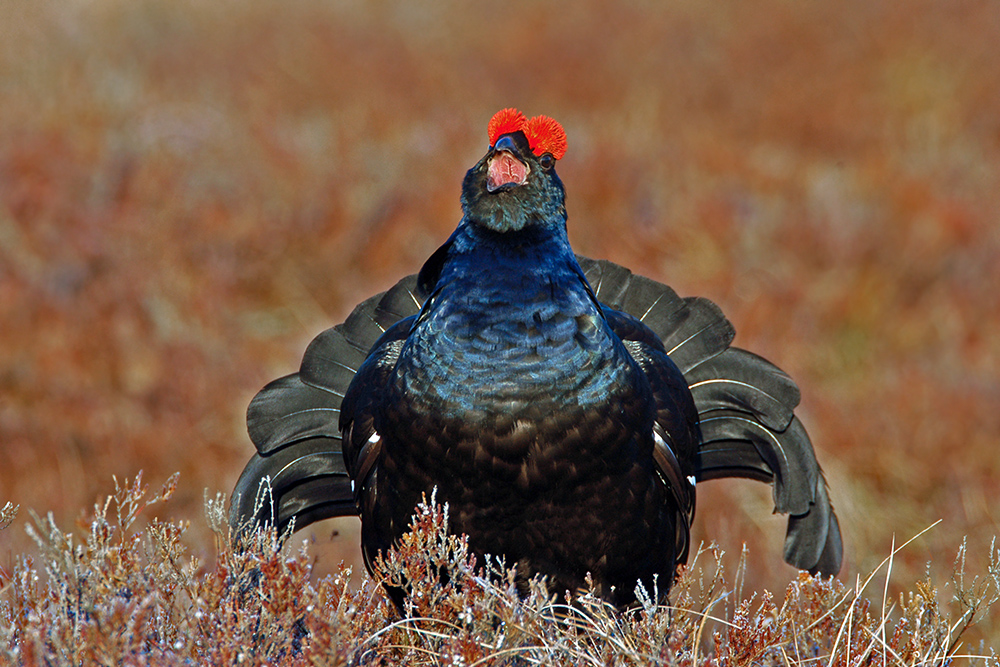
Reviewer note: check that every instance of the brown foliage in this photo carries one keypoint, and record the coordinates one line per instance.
(190, 191)
(123, 590)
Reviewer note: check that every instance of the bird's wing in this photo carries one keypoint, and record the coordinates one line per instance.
(675, 429)
(362, 443)
(299, 470)
(745, 408)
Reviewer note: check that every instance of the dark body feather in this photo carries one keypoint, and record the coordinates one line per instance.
(563, 408)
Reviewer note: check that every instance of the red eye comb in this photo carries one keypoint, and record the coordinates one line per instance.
(504, 122)
(544, 134)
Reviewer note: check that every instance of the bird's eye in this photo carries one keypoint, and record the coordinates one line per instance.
(547, 161)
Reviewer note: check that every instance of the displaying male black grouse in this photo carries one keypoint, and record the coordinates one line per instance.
(563, 407)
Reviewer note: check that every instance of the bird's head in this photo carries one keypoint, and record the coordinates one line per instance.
(515, 184)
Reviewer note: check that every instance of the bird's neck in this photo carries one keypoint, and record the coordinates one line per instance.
(511, 315)
(533, 254)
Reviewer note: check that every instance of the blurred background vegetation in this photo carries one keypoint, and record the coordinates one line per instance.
(190, 191)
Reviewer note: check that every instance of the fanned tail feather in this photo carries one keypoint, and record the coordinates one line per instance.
(288, 410)
(742, 381)
(749, 430)
(784, 458)
(745, 406)
(306, 481)
(692, 329)
(298, 472)
(813, 539)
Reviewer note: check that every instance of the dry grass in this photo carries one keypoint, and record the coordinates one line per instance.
(123, 590)
(190, 191)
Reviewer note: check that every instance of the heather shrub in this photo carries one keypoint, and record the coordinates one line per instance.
(124, 588)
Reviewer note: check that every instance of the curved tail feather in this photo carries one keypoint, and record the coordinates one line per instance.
(298, 472)
(813, 539)
(692, 329)
(305, 482)
(745, 407)
(288, 410)
(741, 381)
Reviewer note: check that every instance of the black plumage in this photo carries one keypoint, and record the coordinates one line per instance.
(562, 406)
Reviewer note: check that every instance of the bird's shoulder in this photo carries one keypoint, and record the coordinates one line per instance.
(357, 408)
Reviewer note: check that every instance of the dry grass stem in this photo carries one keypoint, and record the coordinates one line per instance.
(124, 589)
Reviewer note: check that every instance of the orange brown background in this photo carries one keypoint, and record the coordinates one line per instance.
(190, 191)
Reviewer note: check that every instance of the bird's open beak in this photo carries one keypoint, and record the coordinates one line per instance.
(505, 169)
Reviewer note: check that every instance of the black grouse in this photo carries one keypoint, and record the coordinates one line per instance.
(563, 407)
